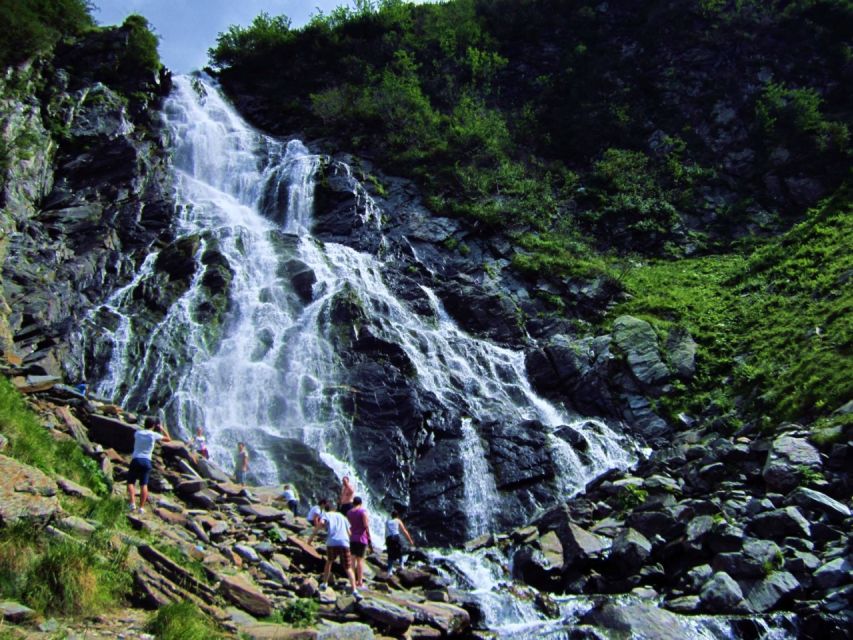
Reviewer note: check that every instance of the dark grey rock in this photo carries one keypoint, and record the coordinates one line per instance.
(721, 594)
(780, 523)
(787, 455)
(773, 591)
(630, 550)
(834, 573)
(812, 500)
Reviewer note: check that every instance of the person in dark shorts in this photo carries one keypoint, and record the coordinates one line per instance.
(359, 540)
(140, 462)
(347, 494)
(394, 527)
(337, 546)
(289, 496)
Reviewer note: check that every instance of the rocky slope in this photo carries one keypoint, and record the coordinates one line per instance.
(235, 551)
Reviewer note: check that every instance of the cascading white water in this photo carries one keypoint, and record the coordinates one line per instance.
(273, 372)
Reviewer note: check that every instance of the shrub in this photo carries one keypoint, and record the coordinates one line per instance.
(141, 55)
(793, 116)
(300, 612)
(183, 621)
(31, 27)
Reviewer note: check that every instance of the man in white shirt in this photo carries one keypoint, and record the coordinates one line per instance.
(140, 462)
(337, 546)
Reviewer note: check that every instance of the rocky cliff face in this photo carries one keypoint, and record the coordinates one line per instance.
(85, 192)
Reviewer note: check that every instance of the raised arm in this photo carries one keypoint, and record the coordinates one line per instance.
(406, 532)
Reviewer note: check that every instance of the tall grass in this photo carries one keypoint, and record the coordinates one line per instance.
(62, 576)
(183, 621)
(31, 443)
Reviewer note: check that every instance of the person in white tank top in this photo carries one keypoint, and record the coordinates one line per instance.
(393, 541)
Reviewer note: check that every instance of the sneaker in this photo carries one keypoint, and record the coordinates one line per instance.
(131, 507)
(322, 586)
(358, 597)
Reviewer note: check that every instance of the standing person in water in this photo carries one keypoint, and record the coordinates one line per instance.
(359, 540)
(393, 541)
(140, 462)
(242, 463)
(347, 495)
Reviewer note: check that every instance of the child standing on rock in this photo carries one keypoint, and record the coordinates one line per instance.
(242, 465)
(359, 541)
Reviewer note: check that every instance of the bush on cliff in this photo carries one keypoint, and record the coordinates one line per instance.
(31, 27)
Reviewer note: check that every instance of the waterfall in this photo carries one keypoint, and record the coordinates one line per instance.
(271, 370)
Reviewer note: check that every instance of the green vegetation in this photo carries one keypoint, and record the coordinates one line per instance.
(31, 443)
(300, 612)
(631, 496)
(183, 621)
(31, 27)
(62, 576)
(141, 54)
(774, 330)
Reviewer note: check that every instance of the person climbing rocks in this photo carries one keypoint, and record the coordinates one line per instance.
(289, 495)
(347, 495)
(140, 461)
(338, 546)
(200, 443)
(242, 465)
(359, 541)
(315, 515)
(393, 541)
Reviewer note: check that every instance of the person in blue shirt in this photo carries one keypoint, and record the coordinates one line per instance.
(140, 462)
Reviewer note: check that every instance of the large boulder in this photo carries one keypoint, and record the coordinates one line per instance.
(637, 340)
(26, 494)
(818, 502)
(721, 594)
(772, 592)
(638, 621)
(518, 453)
(111, 433)
(780, 523)
(240, 590)
(787, 457)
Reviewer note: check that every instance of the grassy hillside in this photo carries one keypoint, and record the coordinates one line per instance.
(775, 329)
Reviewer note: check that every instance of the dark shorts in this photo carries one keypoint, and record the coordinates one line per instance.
(358, 548)
(293, 505)
(346, 506)
(339, 552)
(394, 546)
(140, 469)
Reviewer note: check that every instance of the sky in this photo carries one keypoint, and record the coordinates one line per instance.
(188, 28)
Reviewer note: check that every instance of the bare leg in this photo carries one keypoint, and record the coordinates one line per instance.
(131, 492)
(327, 570)
(143, 496)
(359, 571)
